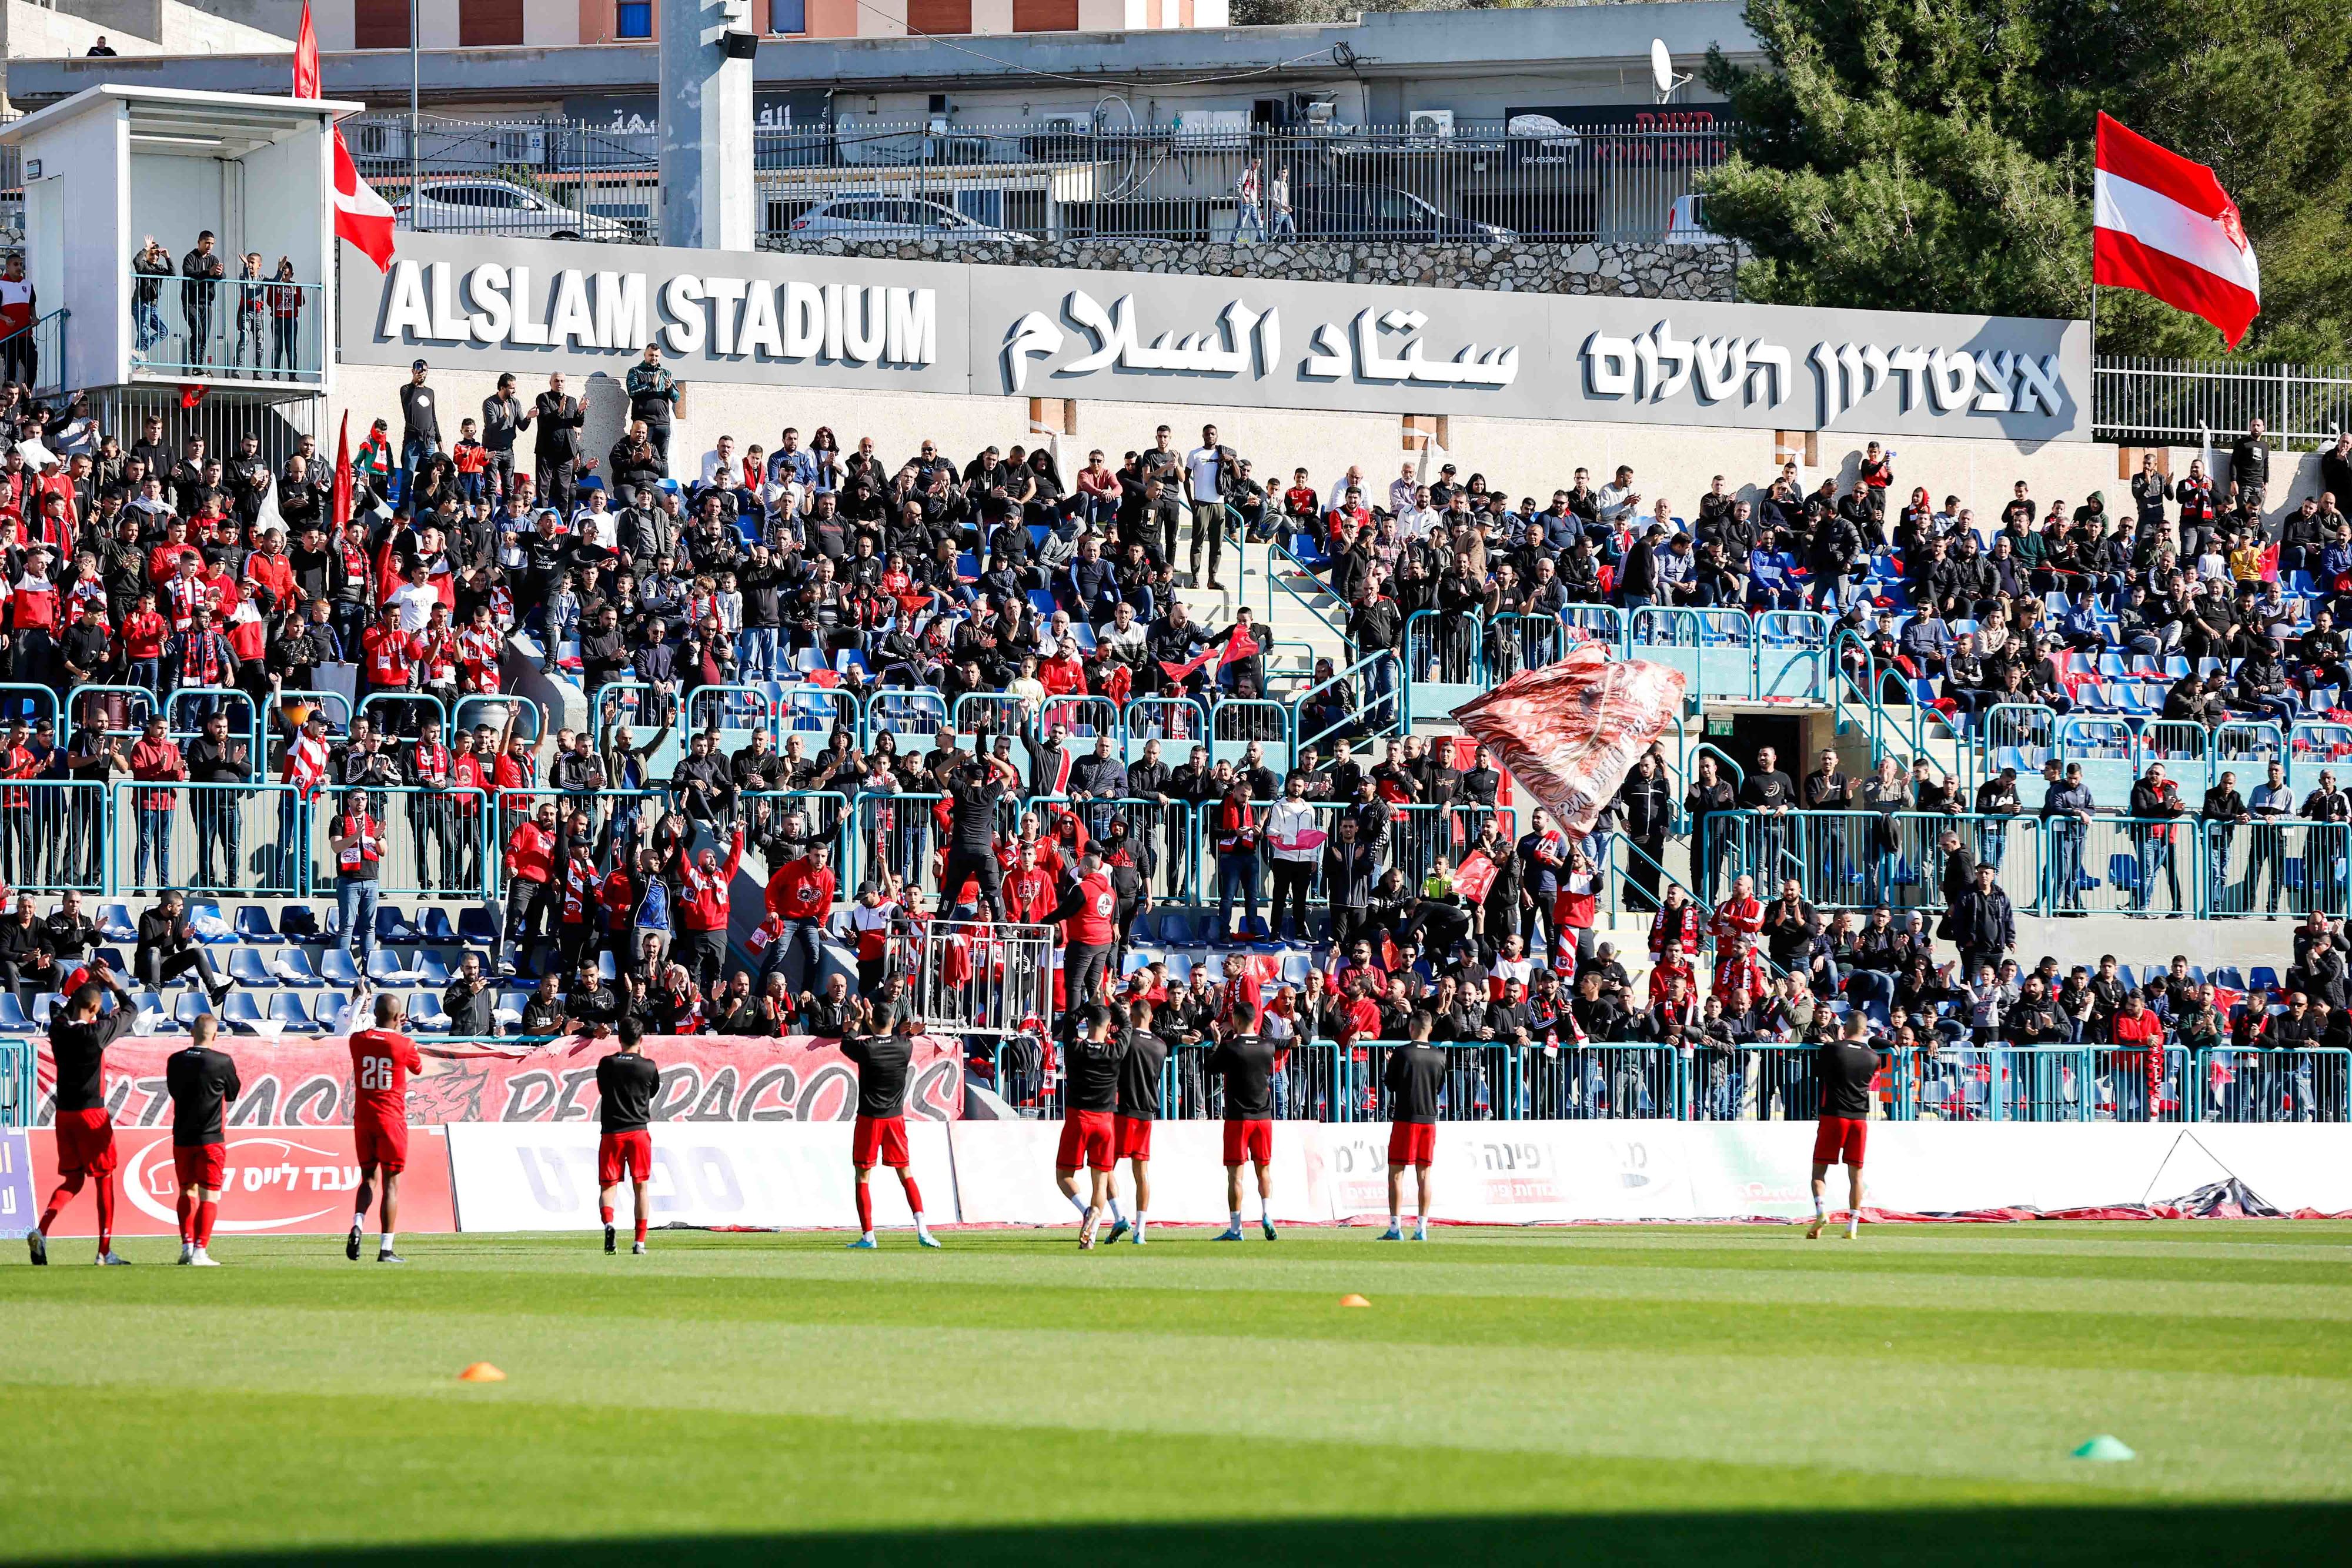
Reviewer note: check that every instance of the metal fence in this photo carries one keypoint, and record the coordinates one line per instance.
(18, 1097)
(257, 328)
(1054, 177)
(2183, 402)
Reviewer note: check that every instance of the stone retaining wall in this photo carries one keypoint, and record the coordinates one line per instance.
(1647, 271)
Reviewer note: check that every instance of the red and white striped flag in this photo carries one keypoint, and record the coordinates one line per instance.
(362, 216)
(2164, 225)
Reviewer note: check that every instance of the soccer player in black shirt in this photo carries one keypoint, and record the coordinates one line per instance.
(85, 1134)
(880, 1133)
(1089, 1096)
(1246, 1063)
(202, 1082)
(1142, 1070)
(1413, 1076)
(626, 1082)
(1845, 1067)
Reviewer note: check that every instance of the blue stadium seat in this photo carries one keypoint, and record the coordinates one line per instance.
(431, 970)
(293, 968)
(12, 1015)
(252, 923)
(114, 959)
(385, 968)
(433, 925)
(425, 1013)
(114, 923)
(2262, 979)
(192, 1005)
(2123, 869)
(335, 1016)
(240, 1013)
(336, 965)
(392, 924)
(246, 968)
(2229, 978)
(49, 1002)
(208, 910)
(1179, 969)
(286, 1009)
(300, 922)
(476, 928)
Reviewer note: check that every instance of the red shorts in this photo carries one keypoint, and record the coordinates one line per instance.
(878, 1140)
(207, 1165)
(1086, 1141)
(1838, 1141)
(1248, 1142)
(85, 1142)
(381, 1142)
(629, 1154)
(1131, 1138)
(1412, 1143)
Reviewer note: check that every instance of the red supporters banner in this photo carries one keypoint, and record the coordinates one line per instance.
(285, 1181)
(305, 1083)
(1474, 877)
(1571, 731)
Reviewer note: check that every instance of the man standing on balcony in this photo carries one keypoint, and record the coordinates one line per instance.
(2067, 809)
(203, 270)
(1772, 797)
(420, 429)
(654, 396)
(18, 361)
(557, 452)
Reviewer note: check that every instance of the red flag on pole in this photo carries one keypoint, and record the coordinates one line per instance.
(340, 502)
(362, 216)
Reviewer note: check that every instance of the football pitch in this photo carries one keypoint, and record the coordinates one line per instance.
(1729, 1395)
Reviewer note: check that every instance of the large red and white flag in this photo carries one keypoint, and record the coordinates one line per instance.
(2164, 225)
(362, 216)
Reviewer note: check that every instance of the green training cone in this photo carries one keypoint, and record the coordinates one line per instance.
(2104, 1447)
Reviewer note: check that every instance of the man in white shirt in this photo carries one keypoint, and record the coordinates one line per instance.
(1618, 498)
(722, 459)
(1208, 469)
(1353, 479)
(1416, 517)
(415, 598)
(1401, 489)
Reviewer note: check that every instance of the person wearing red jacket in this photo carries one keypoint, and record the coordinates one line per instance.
(1741, 914)
(2138, 1038)
(1028, 890)
(800, 896)
(531, 870)
(1091, 911)
(1677, 925)
(704, 887)
(581, 890)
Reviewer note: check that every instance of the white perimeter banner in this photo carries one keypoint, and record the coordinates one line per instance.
(541, 1176)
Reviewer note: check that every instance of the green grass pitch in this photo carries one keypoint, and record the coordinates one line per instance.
(1724, 1395)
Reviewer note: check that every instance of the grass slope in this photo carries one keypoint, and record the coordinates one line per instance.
(1516, 1395)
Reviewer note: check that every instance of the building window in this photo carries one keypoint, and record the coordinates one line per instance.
(484, 24)
(788, 15)
(1044, 15)
(939, 18)
(633, 19)
(380, 25)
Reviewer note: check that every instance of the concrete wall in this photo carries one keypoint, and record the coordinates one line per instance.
(36, 32)
(1650, 271)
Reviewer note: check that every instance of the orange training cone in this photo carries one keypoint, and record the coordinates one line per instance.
(481, 1372)
(1353, 1300)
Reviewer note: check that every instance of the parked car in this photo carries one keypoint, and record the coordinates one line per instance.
(894, 217)
(499, 207)
(1383, 212)
(1687, 222)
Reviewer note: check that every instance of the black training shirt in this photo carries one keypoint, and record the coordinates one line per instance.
(1140, 1070)
(1093, 1069)
(202, 1081)
(973, 815)
(882, 1060)
(1247, 1063)
(1413, 1076)
(80, 1052)
(627, 1081)
(1847, 1070)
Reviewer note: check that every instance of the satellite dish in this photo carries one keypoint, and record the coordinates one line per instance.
(1662, 71)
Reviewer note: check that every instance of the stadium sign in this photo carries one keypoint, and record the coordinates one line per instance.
(959, 329)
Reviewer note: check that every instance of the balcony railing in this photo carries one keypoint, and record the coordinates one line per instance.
(255, 329)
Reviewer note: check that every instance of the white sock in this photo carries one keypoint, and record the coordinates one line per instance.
(1820, 1211)
(1392, 1220)
(1237, 1219)
(1139, 1225)
(386, 1245)
(1116, 1218)
(358, 1220)
(1080, 1203)
(918, 1221)
(866, 1236)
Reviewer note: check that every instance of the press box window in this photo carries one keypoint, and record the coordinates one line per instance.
(633, 19)
(788, 15)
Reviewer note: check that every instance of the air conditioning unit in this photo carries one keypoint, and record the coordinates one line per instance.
(1430, 125)
(1213, 128)
(1321, 112)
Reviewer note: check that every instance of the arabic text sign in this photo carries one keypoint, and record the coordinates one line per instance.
(533, 307)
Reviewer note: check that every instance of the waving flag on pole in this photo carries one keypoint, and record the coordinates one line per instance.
(2164, 225)
(362, 216)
